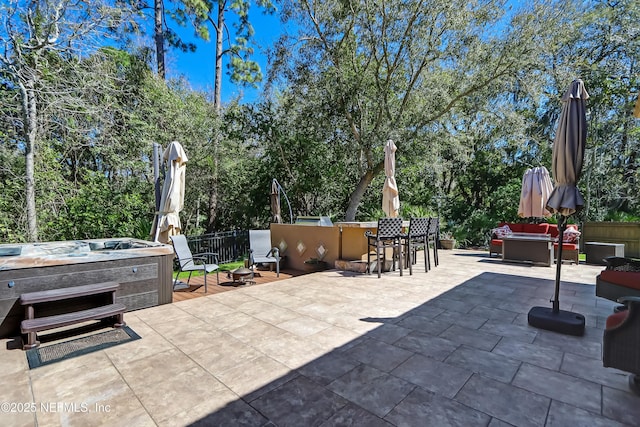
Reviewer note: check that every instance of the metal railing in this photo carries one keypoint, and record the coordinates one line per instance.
(229, 245)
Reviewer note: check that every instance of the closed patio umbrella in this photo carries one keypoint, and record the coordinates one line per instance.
(276, 214)
(390, 197)
(172, 199)
(568, 154)
(536, 189)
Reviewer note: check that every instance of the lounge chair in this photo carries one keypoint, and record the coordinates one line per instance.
(189, 262)
(261, 251)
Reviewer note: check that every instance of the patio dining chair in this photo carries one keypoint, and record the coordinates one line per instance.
(432, 239)
(261, 251)
(416, 238)
(388, 236)
(190, 262)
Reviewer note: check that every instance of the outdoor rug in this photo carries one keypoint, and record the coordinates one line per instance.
(45, 355)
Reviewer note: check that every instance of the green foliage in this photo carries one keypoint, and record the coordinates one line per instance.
(469, 109)
(390, 75)
(372, 214)
(411, 211)
(119, 213)
(223, 268)
(622, 217)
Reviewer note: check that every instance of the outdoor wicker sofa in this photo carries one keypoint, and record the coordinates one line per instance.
(570, 250)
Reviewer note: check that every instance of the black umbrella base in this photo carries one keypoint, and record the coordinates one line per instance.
(563, 322)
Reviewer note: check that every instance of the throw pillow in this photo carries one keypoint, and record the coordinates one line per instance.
(570, 236)
(503, 231)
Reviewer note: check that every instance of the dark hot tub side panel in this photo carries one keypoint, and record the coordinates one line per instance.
(144, 282)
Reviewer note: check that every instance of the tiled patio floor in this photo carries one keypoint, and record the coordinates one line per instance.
(448, 347)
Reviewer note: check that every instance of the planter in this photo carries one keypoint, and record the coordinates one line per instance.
(447, 243)
(358, 266)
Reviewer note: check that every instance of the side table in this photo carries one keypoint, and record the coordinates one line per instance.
(596, 252)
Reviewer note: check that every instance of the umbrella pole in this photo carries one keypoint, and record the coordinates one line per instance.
(562, 226)
(157, 189)
(552, 318)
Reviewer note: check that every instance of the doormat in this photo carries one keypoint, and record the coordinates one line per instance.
(45, 355)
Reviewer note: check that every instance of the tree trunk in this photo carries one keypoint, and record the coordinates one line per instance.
(213, 190)
(30, 126)
(356, 196)
(159, 37)
(217, 88)
(218, 71)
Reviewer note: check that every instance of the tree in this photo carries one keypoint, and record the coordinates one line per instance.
(609, 50)
(206, 15)
(163, 33)
(242, 69)
(397, 69)
(31, 34)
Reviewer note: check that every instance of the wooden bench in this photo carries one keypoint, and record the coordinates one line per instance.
(32, 324)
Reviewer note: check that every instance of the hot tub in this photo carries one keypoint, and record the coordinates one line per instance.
(143, 269)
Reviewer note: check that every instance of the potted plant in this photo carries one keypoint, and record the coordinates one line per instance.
(314, 264)
(447, 240)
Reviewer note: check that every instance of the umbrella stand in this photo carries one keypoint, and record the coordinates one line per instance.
(275, 186)
(554, 319)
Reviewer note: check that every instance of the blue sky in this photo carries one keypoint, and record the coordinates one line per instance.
(198, 67)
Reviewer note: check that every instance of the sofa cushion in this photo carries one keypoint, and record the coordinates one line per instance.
(629, 279)
(616, 319)
(496, 242)
(536, 228)
(567, 246)
(516, 227)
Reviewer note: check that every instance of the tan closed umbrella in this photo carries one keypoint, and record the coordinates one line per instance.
(568, 151)
(536, 189)
(568, 155)
(390, 196)
(172, 199)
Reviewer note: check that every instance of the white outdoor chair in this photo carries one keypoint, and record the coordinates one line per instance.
(261, 251)
(189, 262)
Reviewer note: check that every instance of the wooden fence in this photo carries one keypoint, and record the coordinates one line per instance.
(614, 232)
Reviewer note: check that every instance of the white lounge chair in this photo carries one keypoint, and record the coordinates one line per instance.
(261, 251)
(189, 262)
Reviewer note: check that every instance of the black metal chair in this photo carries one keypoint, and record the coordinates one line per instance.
(416, 238)
(432, 239)
(389, 235)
